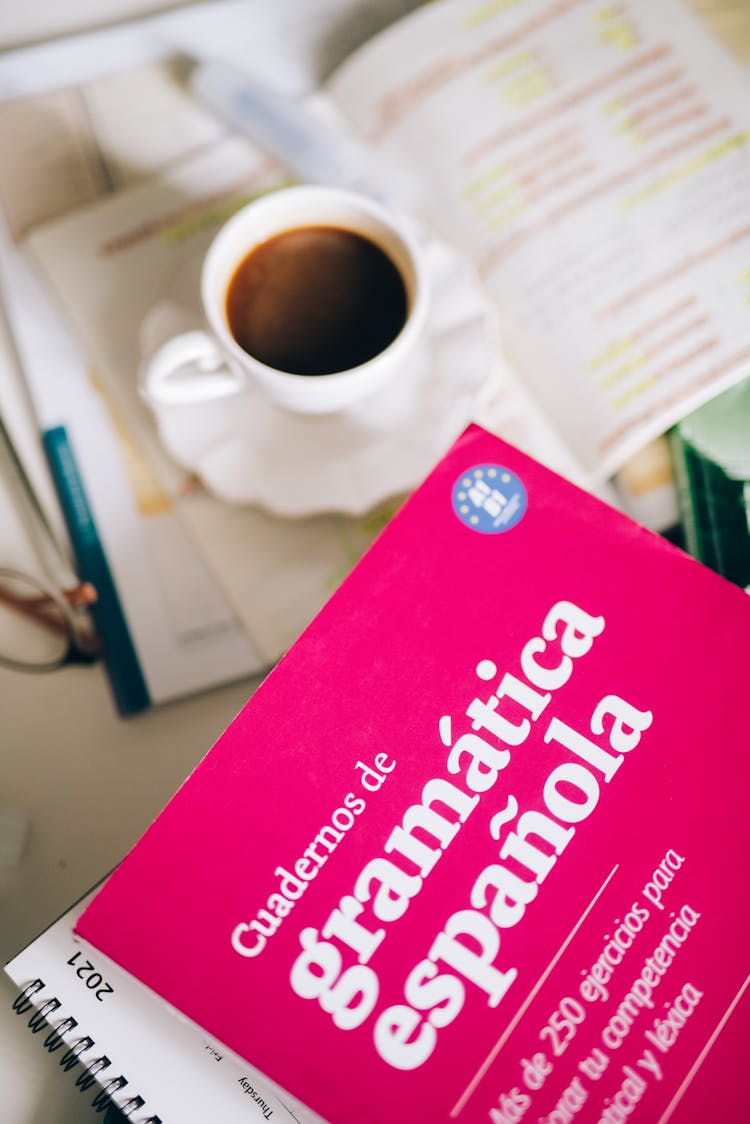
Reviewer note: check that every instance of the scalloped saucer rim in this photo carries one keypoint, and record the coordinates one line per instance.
(254, 452)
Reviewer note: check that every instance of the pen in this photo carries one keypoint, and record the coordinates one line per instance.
(315, 149)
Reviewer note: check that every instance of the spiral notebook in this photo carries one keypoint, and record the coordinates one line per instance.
(124, 1048)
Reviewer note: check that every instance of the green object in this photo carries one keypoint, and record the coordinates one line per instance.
(711, 456)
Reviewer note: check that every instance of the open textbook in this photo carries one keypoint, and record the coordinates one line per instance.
(590, 160)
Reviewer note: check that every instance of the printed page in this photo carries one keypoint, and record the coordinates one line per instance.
(592, 159)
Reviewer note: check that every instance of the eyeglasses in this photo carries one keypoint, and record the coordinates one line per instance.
(42, 629)
(42, 625)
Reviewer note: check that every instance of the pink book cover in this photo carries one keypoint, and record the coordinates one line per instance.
(476, 850)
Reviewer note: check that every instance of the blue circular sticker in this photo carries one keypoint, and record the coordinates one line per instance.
(489, 498)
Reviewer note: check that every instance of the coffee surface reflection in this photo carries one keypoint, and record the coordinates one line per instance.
(314, 300)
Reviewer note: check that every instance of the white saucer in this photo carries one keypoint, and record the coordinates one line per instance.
(253, 452)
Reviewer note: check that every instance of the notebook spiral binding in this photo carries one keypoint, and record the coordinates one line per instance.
(75, 1047)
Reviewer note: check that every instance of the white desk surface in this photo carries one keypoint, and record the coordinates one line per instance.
(89, 780)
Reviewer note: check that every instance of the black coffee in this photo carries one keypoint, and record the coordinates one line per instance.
(316, 299)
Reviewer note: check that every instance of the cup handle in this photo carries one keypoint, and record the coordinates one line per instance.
(188, 369)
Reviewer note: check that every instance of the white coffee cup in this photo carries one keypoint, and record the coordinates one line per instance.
(203, 366)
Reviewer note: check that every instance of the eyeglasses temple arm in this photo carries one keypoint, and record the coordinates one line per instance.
(54, 558)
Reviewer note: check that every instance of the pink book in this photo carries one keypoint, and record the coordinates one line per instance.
(477, 848)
